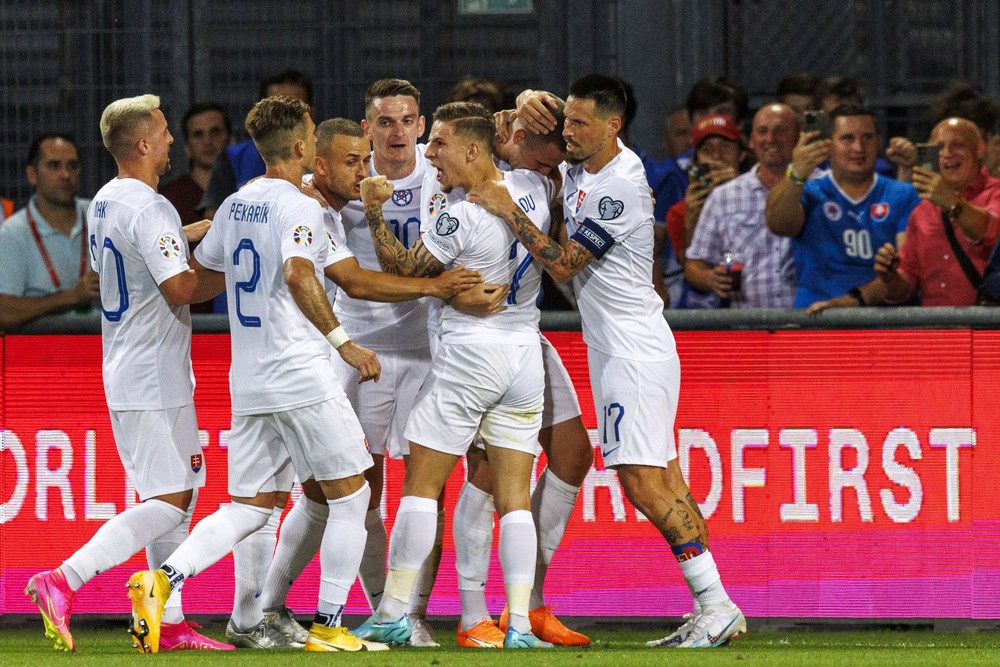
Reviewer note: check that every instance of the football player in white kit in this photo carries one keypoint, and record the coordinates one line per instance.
(487, 374)
(289, 414)
(563, 437)
(343, 160)
(140, 251)
(634, 369)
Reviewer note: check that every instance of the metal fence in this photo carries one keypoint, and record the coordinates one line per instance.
(62, 61)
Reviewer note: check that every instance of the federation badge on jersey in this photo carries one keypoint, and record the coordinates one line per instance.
(610, 208)
(880, 211)
(402, 197)
(196, 462)
(436, 204)
(580, 196)
(446, 225)
(169, 247)
(832, 211)
(303, 236)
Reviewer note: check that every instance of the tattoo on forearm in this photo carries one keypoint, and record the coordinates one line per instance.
(393, 256)
(553, 256)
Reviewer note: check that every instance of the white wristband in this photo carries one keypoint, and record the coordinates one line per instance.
(337, 337)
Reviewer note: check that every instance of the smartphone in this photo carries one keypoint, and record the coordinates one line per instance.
(817, 120)
(698, 172)
(928, 155)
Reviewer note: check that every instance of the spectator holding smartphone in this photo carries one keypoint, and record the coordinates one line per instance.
(718, 153)
(952, 231)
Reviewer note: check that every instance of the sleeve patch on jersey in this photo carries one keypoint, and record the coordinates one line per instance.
(446, 225)
(610, 208)
(303, 236)
(169, 247)
(333, 246)
(594, 238)
(436, 204)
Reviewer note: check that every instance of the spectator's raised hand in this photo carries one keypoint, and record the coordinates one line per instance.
(809, 154)
(901, 152)
(931, 187)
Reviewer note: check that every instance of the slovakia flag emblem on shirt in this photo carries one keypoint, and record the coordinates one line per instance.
(880, 211)
(196, 462)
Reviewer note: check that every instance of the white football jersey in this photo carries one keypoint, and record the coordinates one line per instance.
(280, 360)
(459, 232)
(611, 213)
(336, 250)
(386, 326)
(136, 243)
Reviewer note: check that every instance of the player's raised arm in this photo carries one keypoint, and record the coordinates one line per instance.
(392, 255)
(562, 262)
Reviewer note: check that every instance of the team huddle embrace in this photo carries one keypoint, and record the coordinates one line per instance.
(382, 301)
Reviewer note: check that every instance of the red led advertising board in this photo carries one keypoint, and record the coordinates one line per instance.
(842, 473)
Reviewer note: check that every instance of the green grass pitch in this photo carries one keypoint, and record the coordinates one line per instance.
(24, 644)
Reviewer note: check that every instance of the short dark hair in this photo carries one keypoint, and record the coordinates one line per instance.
(274, 124)
(35, 148)
(963, 100)
(800, 83)
(851, 110)
(471, 120)
(202, 107)
(607, 93)
(390, 88)
(491, 94)
(287, 77)
(712, 90)
(328, 129)
(843, 87)
(555, 136)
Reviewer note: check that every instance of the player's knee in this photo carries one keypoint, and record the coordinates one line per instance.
(312, 490)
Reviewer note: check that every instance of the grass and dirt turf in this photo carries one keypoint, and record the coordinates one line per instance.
(104, 644)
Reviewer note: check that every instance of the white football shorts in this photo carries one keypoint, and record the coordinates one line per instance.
(322, 441)
(384, 406)
(561, 403)
(635, 403)
(159, 449)
(495, 390)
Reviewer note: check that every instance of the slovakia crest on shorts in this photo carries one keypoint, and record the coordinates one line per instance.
(880, 211)
(832, 211)
(436, 204)
(402, 197)
(196, 462)
(169, 247)
(303, 236)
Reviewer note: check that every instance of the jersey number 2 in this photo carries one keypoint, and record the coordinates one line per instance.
(248, 286)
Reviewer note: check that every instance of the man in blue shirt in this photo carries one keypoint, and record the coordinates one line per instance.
(839, 221)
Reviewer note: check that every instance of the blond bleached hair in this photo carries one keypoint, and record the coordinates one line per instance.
(122, 118)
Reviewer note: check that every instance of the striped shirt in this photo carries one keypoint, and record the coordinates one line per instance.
(733, 221)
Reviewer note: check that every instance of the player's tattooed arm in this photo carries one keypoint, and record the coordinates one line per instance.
(562, 262)
(394, 258)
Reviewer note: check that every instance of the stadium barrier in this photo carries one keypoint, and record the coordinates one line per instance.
(846, 465)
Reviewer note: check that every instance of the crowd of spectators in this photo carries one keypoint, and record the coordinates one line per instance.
(761, 211)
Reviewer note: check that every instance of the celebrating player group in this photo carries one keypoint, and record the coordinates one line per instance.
(382, 301)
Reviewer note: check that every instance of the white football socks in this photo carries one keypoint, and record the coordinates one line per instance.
(251, 560)
(214, 537)
(121, 537)
(518, 545)
(411, 542)
(703, 579)
(340, 553)
(552, 505)
(300, 539)
(472, 526)
(160, 549)
(372, 570)
(428, 573)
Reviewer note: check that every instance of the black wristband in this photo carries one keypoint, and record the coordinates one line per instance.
(856, 293)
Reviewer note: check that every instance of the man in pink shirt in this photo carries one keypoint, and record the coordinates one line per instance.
(961, 195)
